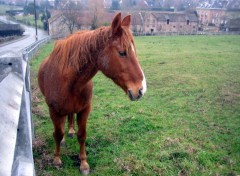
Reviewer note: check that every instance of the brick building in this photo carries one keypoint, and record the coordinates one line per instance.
(141, 23)
(165, 22)
(212, 17)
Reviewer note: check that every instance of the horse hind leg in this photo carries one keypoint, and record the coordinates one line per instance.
(71, 131)
(82, 135)
(58, 123)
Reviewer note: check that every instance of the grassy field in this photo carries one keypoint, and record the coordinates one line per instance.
(4, 8)
(188, 123)
(29, 20)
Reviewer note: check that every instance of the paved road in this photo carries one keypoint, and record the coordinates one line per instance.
(28, 39)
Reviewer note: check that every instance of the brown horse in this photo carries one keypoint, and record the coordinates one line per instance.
(65, 76)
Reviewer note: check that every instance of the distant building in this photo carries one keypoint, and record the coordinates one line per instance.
(233, 25)
(216, 19)
(219, 4)
(141, 23)
(165, 22)
(211, 18)
(59, 29)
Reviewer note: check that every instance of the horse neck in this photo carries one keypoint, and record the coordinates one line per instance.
(95, 42)
(98, 41)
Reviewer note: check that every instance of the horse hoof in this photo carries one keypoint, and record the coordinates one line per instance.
(57, 162)
(63, 143)
(85, 172)
(84, 168)
(71, 135)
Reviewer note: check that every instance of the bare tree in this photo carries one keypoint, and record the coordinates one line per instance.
(96, 9)
(70, 11)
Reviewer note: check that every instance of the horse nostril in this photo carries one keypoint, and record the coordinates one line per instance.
(131, 96)
(134, 98)
(141, 92)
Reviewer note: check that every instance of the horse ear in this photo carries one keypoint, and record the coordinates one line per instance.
(116, 25)
(126, 21)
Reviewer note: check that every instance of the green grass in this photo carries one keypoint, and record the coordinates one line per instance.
(188, 123)
(4, 8)
(29, 20)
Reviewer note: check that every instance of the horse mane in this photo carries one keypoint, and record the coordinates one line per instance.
(77, 49)
(82, 47)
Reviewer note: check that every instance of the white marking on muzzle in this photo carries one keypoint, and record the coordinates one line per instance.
(144, 84)
(133, 48)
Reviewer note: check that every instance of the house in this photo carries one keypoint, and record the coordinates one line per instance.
(233, 25)
(141, 22)
(59, 29)
(137, 22)
(214, 17)
(219, 4)
(165, 22)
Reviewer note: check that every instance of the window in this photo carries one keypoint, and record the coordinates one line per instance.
(167, 21)
(187, 22)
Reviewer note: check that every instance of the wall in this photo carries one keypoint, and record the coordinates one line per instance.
(211, 16)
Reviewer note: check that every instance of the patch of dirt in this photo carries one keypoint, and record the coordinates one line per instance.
(191, 150)
(42, 158)
(36, 109)
(230, 94)
(76, 160)
(170, 142)
(35, 102)
(183, 173)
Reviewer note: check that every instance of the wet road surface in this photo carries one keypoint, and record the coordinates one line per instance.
(29, 37)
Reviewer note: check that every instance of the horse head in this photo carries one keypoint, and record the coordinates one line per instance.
(119, 59)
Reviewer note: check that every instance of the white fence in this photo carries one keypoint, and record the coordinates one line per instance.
(16, 129)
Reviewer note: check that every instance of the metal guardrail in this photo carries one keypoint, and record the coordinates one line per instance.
(16, 129)
(31, 50)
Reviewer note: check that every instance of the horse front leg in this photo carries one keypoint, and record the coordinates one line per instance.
(58, 123)
(82, 135)
(71, 131)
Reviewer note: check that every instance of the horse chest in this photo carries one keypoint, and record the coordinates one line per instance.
(77, 103)
(79, 99)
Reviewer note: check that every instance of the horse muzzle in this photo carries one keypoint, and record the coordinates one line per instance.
(135, 97)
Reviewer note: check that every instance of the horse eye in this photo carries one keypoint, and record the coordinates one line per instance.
(122, 53)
